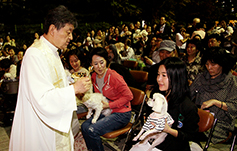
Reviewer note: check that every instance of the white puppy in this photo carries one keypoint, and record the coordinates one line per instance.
(155, 123)
(93, 101)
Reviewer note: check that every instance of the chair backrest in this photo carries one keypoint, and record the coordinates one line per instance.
(139, 76)
(206, 120)
(10, 87)
(138, 96)
(130, 64)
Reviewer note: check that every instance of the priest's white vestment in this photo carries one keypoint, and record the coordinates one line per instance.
(45, 104)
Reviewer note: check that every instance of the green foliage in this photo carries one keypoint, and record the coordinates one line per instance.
(124, 8)
(101, 14)
(84, 28)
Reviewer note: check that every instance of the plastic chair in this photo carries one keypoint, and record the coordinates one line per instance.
(9, 90)
(81, 115)
(130, 64)
(207, 121)
(137, 103)
(139, 76)
(234, 133)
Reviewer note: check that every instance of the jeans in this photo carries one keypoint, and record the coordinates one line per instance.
(92, 132)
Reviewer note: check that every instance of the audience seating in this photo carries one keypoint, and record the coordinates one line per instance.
(140, 77)
(234, 133)
(137, 105)
(207, 121)
(130, 64)
(80, 115)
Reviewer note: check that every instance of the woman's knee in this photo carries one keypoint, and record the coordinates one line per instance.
(84, 126)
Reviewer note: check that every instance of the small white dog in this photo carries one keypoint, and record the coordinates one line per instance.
(93, 101)
(155, 123)
(7, 76)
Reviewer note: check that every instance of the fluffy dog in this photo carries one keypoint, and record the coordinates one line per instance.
(155, 123)
(93, 101)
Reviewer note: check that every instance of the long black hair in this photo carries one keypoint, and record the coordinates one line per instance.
(79, 55)
(116, 58)
(178, 81)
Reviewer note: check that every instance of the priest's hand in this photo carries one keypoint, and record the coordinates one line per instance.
(82, 85)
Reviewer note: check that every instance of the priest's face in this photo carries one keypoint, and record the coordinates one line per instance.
(63, 36)
(99, 64)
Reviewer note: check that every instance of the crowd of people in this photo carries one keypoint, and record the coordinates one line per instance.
(193, 66)
(140, 42)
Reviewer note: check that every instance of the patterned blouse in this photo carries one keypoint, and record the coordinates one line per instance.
(194, 67)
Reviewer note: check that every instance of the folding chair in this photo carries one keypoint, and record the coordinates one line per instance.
(130, 64)
(234, 133)
(140, 77)
(207, 121)
(137, 103)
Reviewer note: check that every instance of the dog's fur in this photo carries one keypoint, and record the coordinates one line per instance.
(93, 101)
(159, 106)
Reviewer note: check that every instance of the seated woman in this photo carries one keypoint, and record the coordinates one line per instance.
(173, 83)
(74, 58)
(192, 59)
(115, 64)
(128, 53)
(181, 39)
(215, 90)
(114, 88)
(166, 49)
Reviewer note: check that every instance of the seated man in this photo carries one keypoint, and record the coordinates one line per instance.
(166, 49)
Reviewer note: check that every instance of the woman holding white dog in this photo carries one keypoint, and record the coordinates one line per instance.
(114, 88)
(173, 83)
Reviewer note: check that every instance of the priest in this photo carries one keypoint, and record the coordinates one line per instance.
(46, 101)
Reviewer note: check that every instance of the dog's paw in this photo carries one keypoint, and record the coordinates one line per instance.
(88, 116)
(135, 138)
(93, 121)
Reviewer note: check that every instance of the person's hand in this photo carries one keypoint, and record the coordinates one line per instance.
(148, 60)
(105, 104)
(167, 127)
(170, 130)
(82, 85)
(208, 103)
(190, 82)
(158, 32)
